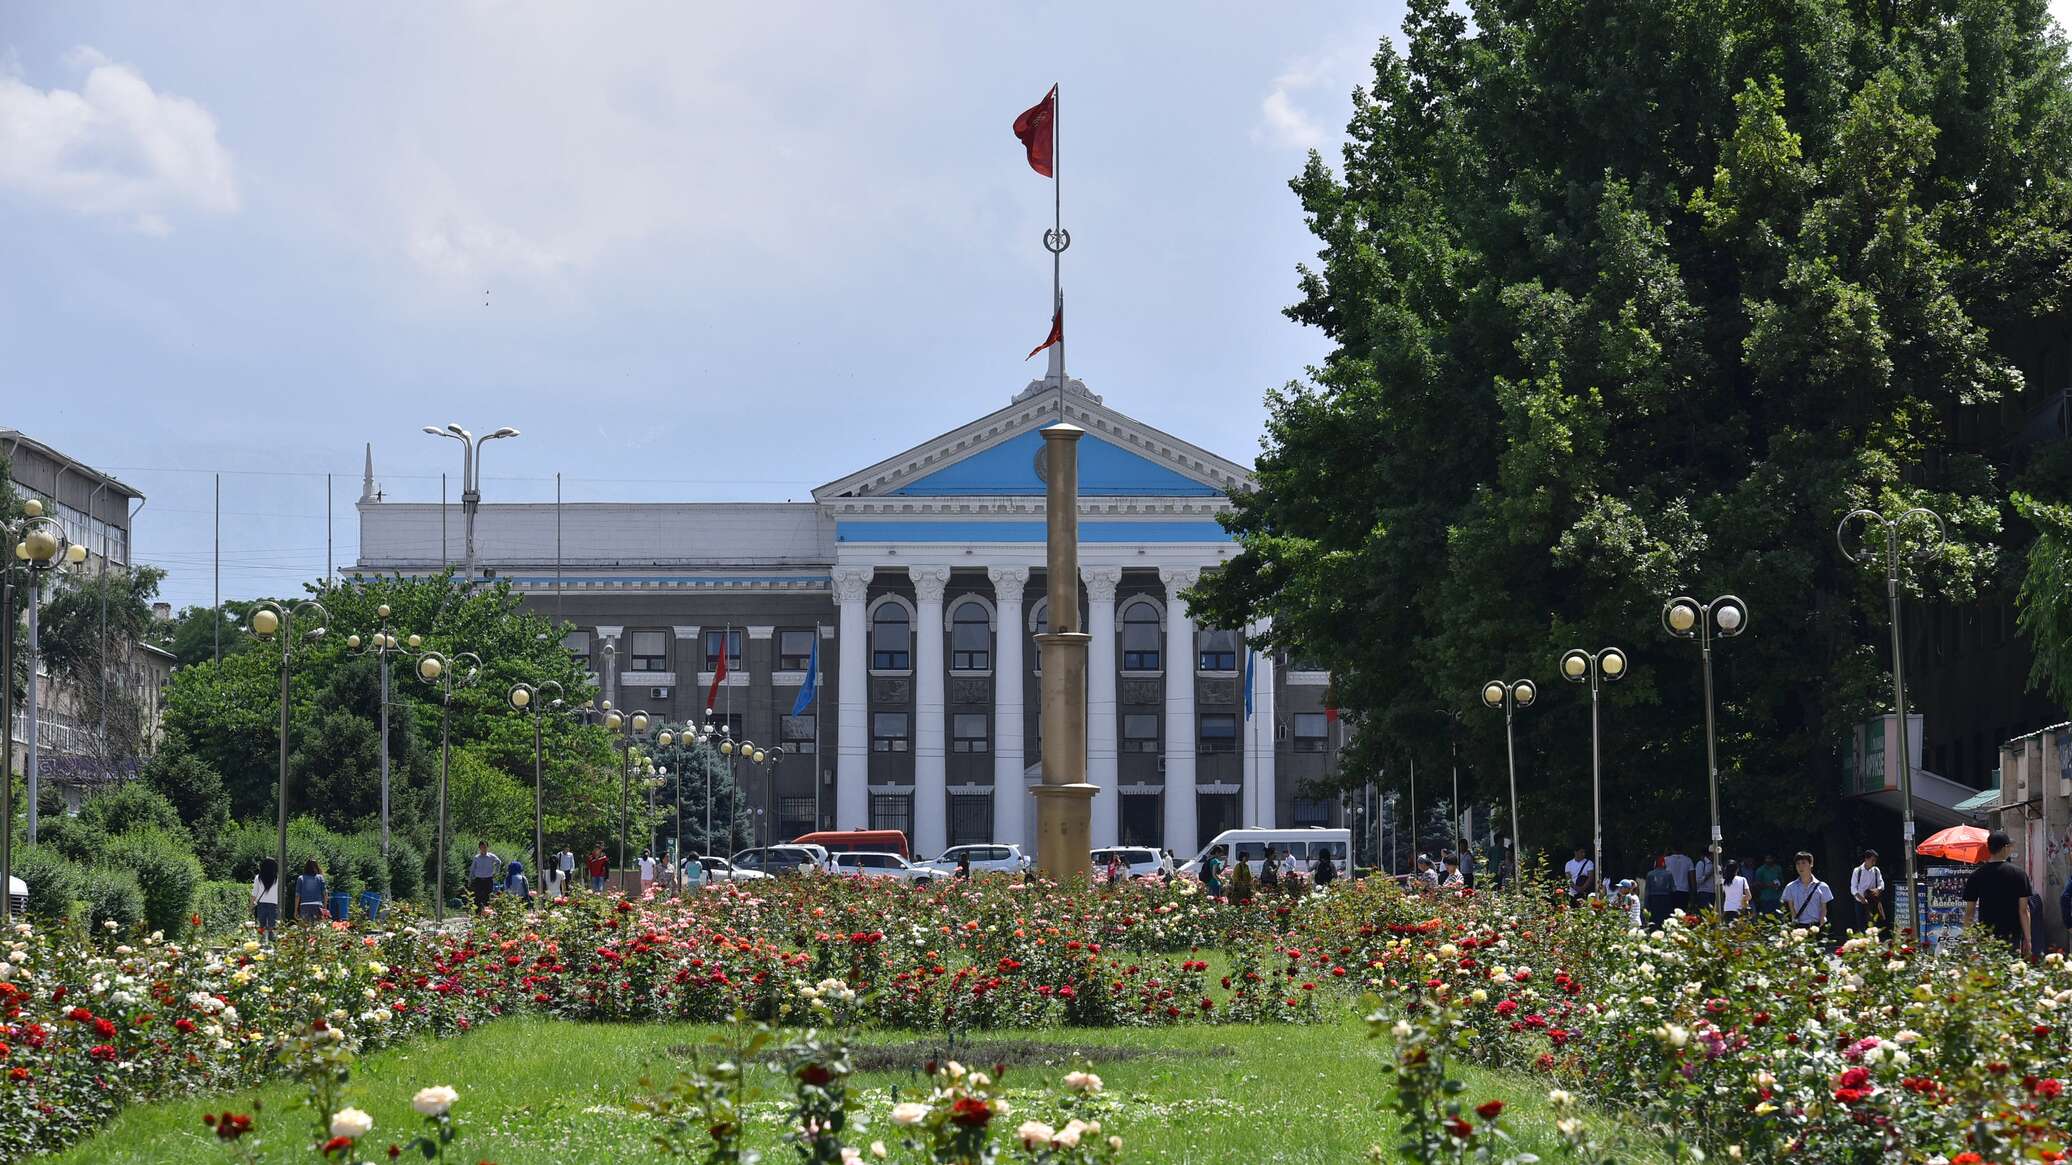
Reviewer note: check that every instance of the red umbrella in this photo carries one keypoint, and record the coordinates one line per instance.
(1959, 843)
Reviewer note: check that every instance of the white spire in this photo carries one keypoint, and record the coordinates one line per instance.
(367, 493)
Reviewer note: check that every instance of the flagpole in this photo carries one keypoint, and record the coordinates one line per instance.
(1056, 240)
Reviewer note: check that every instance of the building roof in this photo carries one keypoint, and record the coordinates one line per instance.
(15, 438)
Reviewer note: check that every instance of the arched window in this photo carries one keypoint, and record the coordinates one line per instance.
(1140, 638)
(971, 638)
(892, 637)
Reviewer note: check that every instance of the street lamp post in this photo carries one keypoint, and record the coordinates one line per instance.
(1725, 617)
(470, 478)
(1892, 553)
(771, 757)
(382, 642)
(449, 676)
(730, 749)
(38, 546)
(536, 700)
(628, 726)
(272, 622)
(1596, 669)
(1511, 695)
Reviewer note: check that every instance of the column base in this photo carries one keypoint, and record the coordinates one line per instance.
(1064, 824)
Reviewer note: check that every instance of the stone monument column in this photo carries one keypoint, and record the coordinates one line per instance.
(1064, 801)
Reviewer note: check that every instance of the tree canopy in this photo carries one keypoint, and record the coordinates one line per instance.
(1634, 298)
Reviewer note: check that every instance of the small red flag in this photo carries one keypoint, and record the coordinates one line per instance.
(1331, 715)
(1057, 333)
(719, 674)
(1037, 129)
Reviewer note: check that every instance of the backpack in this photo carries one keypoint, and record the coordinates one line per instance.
(1585, 878)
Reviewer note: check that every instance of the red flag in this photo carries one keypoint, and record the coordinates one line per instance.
(719, 675)
(1037, 129)
(1331, 715)
(1057, 332)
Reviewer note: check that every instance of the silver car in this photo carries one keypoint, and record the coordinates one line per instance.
(881, 865)
(1138, 861)
(985, 859)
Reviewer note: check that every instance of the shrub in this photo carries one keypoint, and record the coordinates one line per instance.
(245, 844)
(357, 865)
(223, 906)
(77, 839)
(405, 869)
(55, 882)
(132, 805)
(167, 874)
(113, 895)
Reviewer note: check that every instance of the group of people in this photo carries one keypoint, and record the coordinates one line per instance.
(1277, 869)
(310, 896)
(1454, 870)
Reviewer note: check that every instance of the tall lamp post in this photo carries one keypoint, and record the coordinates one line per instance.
(1892, 553)
(382, 642)
(1724, 617)
(1596, 669)
(470, 478)
(1511, 695)
(730, 749)
(772, 758)
(537, 700)
(449, 675)
(272, 622)
(628, 726)
(38, 546)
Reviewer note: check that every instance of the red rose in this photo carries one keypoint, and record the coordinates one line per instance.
(971, 1112)
(1489, 1109)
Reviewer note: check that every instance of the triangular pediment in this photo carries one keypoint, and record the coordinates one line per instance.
(995, 456)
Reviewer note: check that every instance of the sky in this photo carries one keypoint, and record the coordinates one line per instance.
(691, 251)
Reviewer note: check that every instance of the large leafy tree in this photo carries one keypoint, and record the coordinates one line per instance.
(1632, 298)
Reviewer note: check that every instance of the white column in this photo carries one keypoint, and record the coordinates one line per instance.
(931, 810)
(1181, 816)
(1010, 795)
(852, 719)
(1260, 793)
(1102, 769)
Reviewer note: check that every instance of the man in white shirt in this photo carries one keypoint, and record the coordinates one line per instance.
(1867, 886)
(1806, 897)
(566, 861)
(647, 870)
(1680, 869)
(1579, 868)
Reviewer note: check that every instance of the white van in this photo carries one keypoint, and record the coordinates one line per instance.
(1249, 846)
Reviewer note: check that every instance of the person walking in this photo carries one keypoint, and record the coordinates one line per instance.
(553, 881)
(565, 863)
(1582, 875)
(599, 869)
(1680, 870)
(1997, 895)
(1269, 870)
(1427, 874)
(1626, 898)
(1212, 873)
(693, 873)
(1324, 871)
(309, 893)
(647, 870)
(266, 898)
(1661, 892)
(1867, 887)
(964, 866)
(1733, 891)
(1806, 897)
(1701, 884)
(483, 869)
(515, 882)
(1117, 872)
(1769, 885)
(1291, 873)
(1452, 879)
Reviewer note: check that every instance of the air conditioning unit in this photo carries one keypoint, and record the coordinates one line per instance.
(1161, 763)
(658, 693)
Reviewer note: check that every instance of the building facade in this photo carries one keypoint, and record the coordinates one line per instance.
(916, 585)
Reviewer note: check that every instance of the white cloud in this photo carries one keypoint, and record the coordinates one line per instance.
(1288, 115)
(113, 147)
(1287, 125)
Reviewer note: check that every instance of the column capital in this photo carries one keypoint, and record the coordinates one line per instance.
(685, 632)
(604, 632)
(761, 632)
(851, 583)
(1008, 582)
(1178, 578)
(1101, 582)
(929, 582)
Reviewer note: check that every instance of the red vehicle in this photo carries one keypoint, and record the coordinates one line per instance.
(850, 841)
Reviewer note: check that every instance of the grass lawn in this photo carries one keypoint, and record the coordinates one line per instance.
(537, 1092)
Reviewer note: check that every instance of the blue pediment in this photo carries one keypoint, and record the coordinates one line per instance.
(1105, 470)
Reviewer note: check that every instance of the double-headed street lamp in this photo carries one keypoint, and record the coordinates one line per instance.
(537, 700)
(1724, 617)
(470, 477)
(1511, 695)
(382, 643)
(449, 675)
(1892, 553)
(272, 622)
(628, 725)
(773, 758)
(38, 545)
(1595, 668)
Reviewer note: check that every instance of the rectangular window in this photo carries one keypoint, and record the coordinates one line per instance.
(1140, 732)
(797, 733)
(1312, 730)
(795, 649)
(732, 639)
(971, 821)
(893, 812)
(969, 732)
(971, 640)
(888, 732)
(650, 651)
(1312, 811)
(577, 643)
(1219, 651)
(795, 816)
(1219, 732)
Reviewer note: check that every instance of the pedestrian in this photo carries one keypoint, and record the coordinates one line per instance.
(1867, 886)
(1452, 879)
(1324, 871)
(553, 882)
(1241, 883)
(483, 869)
(1701, 884)
(1626, 898)
(309, 893)
(515, 883)
(1680, 871)
(693, 873)
(1769, 885)
(1733, 891)
(565, 862)
(964, 865)
(1997, 895)
(1291, 873)
(1661, 892)
(600, 868)
(647, 870)
(1466, 854)
(1212, 873)
(266, 898)
(1116, 870)
(1582, 874)
(1806, 897)
(1269, 869)
(1427, 873)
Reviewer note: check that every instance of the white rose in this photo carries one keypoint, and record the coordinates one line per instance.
(350, 1122)
(1068, 1137)
(435, 1100)
(909, 1114)
(1083, 1082)
(1034, 1133)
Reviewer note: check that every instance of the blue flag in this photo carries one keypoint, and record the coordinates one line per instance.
(811, 687)
(1250, 655)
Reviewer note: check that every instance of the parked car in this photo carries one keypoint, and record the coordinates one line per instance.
(870, 865)
(1249, 846)
(722, 870)
(985, 859)
(1139, 861)
(782, 859)
(18, 895)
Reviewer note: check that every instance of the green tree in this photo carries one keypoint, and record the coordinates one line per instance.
(1633, 298)
(691, 772)
(93, 627)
